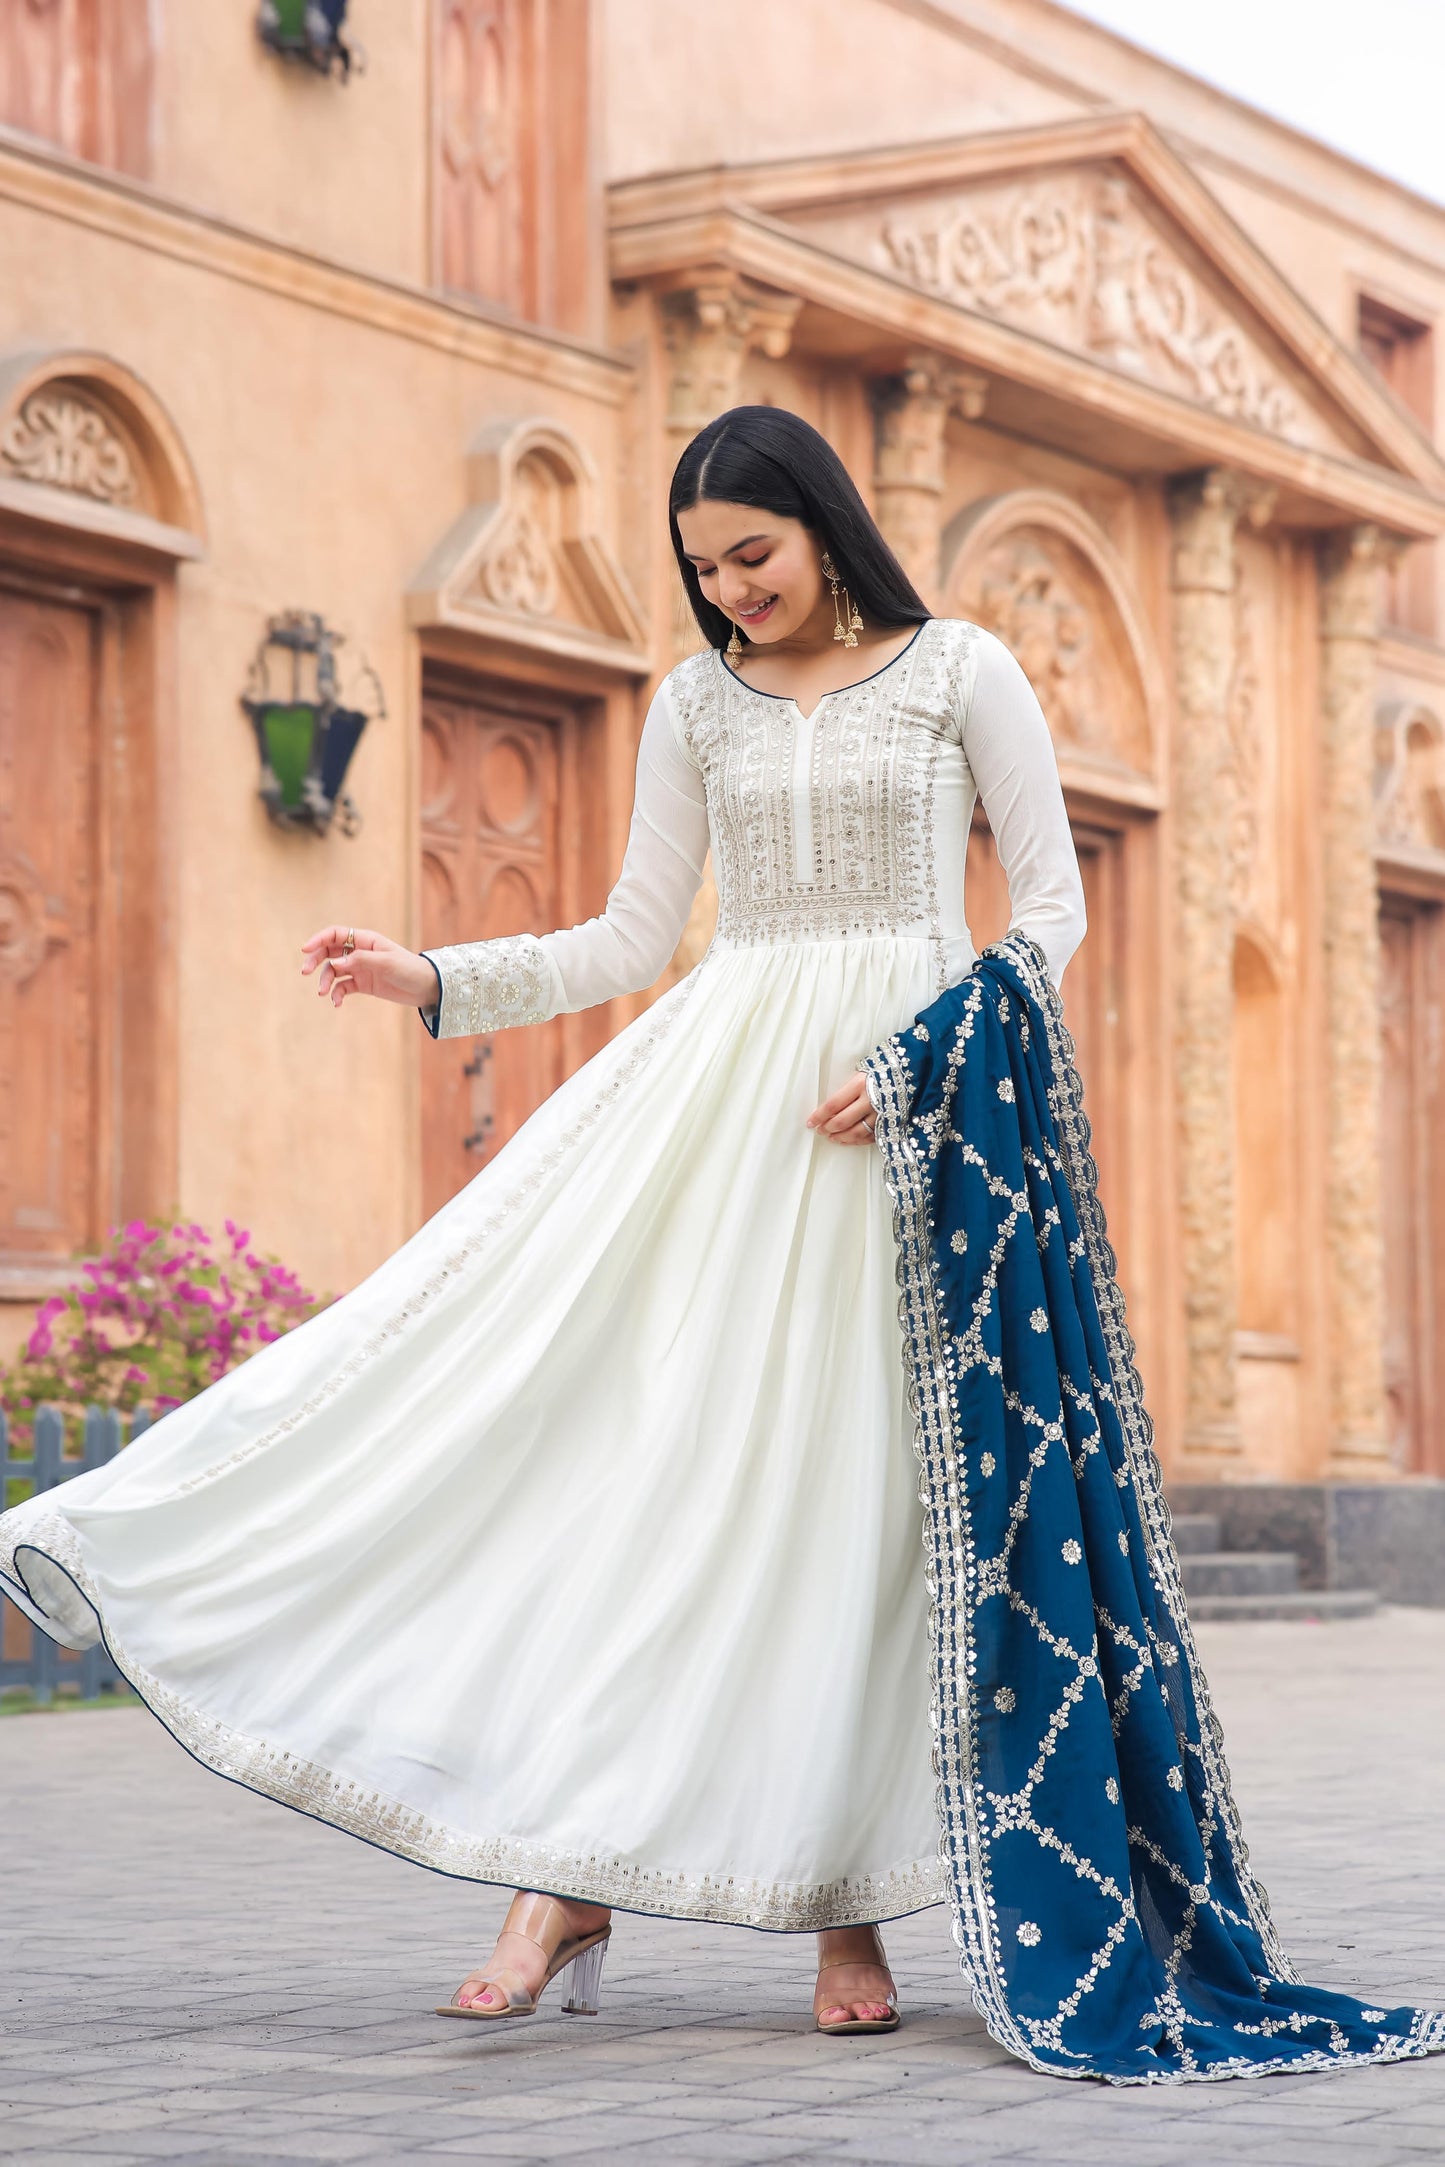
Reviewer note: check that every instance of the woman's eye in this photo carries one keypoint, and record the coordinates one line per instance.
(752, 563)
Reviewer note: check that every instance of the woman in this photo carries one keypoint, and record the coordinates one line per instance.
(579, 1547)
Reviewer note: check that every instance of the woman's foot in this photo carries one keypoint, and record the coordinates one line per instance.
(523, 1958)
(855, 1990)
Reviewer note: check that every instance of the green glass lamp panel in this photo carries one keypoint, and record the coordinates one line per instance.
(290, 17)
(288, 733)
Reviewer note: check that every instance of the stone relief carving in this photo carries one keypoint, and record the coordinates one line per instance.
(65, 442)
(1026, 596)
(1350, 567)
(1076, 260)
(1409, 776)
(520, 570)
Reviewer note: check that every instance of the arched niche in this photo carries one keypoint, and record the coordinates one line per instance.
(86, 444)
(528, 561)
(1410, 779)
(1032, 567)
(1264, 1121)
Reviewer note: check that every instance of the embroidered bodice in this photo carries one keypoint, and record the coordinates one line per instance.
(848, 823)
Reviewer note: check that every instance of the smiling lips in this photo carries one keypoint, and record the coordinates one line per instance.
(758, 611)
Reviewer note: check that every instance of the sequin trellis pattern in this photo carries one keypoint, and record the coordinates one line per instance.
(1108, 1921)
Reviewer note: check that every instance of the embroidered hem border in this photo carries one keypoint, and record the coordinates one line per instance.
(949, 1546)
(510, 1862)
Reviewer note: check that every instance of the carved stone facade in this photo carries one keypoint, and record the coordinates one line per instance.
(65, 441)
(909, 412)
(1105, 396)
(1205, 510)
(1078, 262)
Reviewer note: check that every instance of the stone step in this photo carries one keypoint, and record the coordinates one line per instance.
(1320, 1604)
(1197, 1531)
(1239, 1572)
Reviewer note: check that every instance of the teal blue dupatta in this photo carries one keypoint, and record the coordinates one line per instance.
(1106, 1915)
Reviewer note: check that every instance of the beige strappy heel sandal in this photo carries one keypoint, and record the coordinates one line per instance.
(837, 2000)
(541, 1920)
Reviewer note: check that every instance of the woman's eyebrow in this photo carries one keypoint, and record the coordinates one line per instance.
(746, 543)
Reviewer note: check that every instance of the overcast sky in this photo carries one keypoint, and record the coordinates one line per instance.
(1367, 76)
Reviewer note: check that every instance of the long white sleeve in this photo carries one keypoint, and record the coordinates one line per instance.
(528, 977)
(1007, 745)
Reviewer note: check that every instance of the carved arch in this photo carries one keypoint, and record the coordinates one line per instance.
(527, 561)
(1410, 779)
(86, 443)
(1034, 568)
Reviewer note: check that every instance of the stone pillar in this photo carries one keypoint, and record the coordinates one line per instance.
(909, 412)
(1204, 510)
(709, 327)
(1349, 575)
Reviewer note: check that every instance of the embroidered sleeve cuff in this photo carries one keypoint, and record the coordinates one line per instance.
(492, 986)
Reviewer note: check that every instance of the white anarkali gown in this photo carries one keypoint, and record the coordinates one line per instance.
(579, 1547)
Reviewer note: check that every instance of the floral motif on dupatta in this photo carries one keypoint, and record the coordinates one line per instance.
(1106, 1915)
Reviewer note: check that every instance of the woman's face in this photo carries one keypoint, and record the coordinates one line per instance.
(761, 570)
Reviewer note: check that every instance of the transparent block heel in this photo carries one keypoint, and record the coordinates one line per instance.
(584, 1982)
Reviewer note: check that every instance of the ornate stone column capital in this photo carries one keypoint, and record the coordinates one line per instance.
(709, 326)
(1205, 510)
(910, 410)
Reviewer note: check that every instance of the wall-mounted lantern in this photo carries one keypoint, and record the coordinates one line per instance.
(304, 734)
(309, 30)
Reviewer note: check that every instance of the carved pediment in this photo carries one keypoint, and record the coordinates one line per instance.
(526, 562)
(1081, 256)
(85, 444)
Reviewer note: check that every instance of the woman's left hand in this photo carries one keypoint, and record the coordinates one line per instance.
(848, 1115)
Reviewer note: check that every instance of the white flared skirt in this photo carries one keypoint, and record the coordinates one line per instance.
(579, 1547)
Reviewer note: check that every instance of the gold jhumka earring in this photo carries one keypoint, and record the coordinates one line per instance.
(734, 649)
(847, 622)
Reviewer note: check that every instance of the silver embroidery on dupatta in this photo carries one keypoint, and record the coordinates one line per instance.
(959, 1578)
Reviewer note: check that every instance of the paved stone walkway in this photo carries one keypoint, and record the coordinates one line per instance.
(187, 1973)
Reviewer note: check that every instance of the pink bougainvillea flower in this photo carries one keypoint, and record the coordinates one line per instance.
(152, 1321)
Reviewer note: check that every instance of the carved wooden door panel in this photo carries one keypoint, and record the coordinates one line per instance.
(48, 976)
(78, 72)
(481, 104)
(1412, 1016)
(490, 786)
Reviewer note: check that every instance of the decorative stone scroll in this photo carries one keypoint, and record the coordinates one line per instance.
(66, 442)
(86, 445)
(526, 562)
(1076, 260)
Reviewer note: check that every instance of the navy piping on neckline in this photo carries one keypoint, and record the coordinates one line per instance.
(790, 700)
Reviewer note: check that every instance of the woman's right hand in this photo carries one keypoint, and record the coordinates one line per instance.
(374, 965)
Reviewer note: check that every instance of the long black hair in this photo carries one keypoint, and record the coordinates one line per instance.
(766, 457)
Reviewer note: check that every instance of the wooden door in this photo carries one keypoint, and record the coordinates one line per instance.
(1412, 1015)
(489, 822)
(1092, 988)
(78, 72)
(49, 850)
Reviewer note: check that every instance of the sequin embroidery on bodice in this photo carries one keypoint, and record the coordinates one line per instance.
(827, 825)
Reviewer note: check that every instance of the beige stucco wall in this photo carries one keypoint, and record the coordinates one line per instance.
(330, 449)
